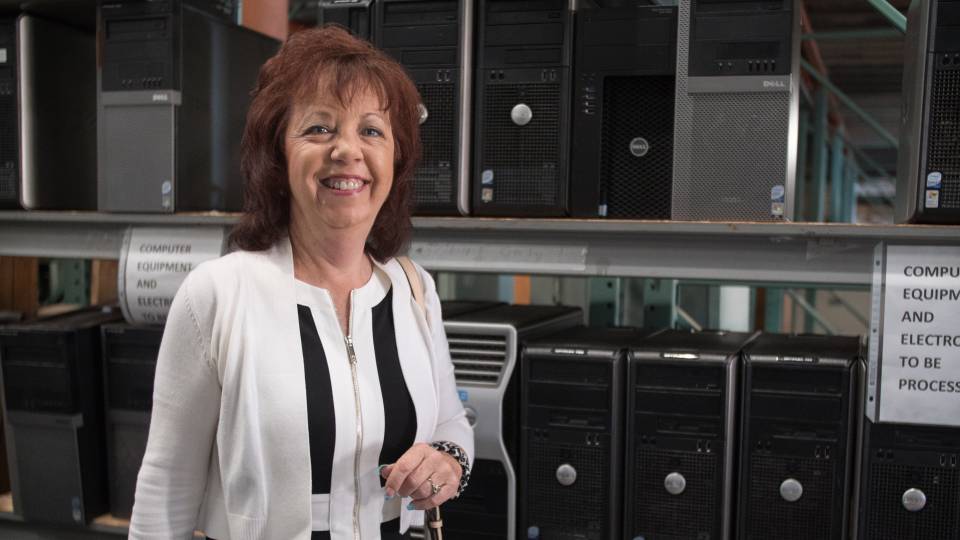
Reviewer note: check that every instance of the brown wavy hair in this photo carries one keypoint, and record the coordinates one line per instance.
(345, 65)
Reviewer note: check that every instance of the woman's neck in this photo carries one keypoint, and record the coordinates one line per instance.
(335, 260)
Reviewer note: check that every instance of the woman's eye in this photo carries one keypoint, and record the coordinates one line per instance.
(316, 130)
(372, 132)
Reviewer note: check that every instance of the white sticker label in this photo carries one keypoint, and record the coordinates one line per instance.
(776, 209)
(3, 55)
(920, 356)
(935, 180)
(932, 199)
(153, 264)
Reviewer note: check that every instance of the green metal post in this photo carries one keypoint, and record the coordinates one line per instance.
(820, 141)
(837, 177)
(892, 14)
(801, 206)
(604, 301)
(659, 300)
(849, 195)
(773, 310)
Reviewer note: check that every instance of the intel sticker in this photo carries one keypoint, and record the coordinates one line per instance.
(932, 199)
(777, 192)
(934, 180)
(464, 396)
(486, 177)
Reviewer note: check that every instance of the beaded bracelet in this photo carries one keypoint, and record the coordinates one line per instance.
(458, 454)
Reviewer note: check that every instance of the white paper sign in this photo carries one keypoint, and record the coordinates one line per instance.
(153, 264)
(920, 335)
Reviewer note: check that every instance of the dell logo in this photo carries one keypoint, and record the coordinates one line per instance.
(639, 147)
(161, 97)
(774, 84)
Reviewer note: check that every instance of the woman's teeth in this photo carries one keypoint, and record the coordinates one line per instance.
(345, 185)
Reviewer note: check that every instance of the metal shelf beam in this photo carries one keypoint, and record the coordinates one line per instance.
(797, 253)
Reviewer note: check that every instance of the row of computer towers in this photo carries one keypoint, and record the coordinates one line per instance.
(585, 433)
(623, 109)
(152, 124)
(602, 434)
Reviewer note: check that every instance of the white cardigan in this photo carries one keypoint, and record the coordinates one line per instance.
(228, 450)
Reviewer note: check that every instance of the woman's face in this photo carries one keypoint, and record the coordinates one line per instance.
(339, 160)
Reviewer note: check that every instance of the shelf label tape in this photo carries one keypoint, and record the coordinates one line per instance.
(153, 264)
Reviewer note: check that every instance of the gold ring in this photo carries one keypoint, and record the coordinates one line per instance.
(434, 488)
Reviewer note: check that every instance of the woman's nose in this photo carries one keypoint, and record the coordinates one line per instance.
(346, 148)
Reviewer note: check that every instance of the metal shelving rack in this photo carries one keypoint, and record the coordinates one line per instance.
(809, 253)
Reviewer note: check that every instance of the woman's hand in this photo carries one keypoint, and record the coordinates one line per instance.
(412, 474)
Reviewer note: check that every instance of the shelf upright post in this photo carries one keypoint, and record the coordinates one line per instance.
(837, 176)
(820, 148)
(659, 303)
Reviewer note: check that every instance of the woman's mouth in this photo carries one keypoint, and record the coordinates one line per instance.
(344, 185)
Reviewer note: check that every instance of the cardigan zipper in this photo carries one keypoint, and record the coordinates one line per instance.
(351, 354)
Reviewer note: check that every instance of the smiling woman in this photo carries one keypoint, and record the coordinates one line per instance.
(302, 390)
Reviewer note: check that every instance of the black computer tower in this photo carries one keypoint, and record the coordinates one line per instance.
(485, 348)
(522, 123)
(52, 392)
(572, 439)
(175, 84)
(928, 163)
(681, 438)
(910, 487)
(40, 116)
(800, 408)
(433, 41)
(129, 364)
(354, 15)
(624, 84)
(452, 309)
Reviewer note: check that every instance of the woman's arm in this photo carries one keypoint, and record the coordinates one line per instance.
(186, 406)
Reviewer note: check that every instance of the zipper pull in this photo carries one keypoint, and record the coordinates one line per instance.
(351, 355)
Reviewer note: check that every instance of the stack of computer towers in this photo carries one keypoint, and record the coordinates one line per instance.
(522, 124)
(434, 41)
(681, 439)
(485, 348)
(41, 116)
(910, 488)
(624, 85)
(737, 107)
(52, 391)
(572, 439)
(175, 83)
(928, 163)
(129, 364)
(354, 15)
(800, 411)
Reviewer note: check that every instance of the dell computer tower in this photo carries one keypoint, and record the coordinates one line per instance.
(624, 85)
(681, 445)
(129, 364)
(928, 163)
(485, 348)
(434, 42)
(175, 84)
(354, 15)
(737, 107)
(910, 487)
(52, 393)
(522, 106)
(800, 408)
(572, 440)
(48, 154)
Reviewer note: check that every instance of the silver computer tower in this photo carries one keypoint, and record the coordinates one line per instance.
(485, 349)
(928, 163)
(736, 121)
